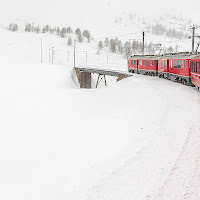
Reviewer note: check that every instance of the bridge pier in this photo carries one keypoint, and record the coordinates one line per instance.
(84, 78)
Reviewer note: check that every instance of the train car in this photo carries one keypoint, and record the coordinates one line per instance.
(133, 65)
(195, 71)
(148, 66)
(163, 68)
(179, 69)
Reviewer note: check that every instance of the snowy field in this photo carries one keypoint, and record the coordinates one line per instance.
(135, 139)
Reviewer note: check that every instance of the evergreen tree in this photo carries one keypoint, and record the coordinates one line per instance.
(78, 31)
(170, 49)
(69, 42)
(87, 35)
(63, 32)
(113, 45)
(58, 31)
(69, 30)
(80, 38)
(127, 49)
(100, 45)
(120, 46)
(28, 27)
(106, 42)
(37, 29)
(13, 27)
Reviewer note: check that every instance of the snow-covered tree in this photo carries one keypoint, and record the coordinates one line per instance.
(113, 46)
(80, 37)
(127, 49)
(69, 42)
(28, 27)
(87, 35)
(78, 31)
(37, 29)
(170, 49)
(100, 45)
(69, 30)
(106, 42)
(58, 30)
(13, 27)
(63, 32)
(120, 46)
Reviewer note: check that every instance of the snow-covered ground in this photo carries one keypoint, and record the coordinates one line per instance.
(135, 139)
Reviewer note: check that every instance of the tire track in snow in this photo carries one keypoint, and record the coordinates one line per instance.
(183, 181)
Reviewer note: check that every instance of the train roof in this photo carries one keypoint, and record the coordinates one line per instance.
(179, 55)
(147, 57)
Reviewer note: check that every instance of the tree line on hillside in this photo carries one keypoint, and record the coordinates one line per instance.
(62, 32)
(159, 29)
(129, 48)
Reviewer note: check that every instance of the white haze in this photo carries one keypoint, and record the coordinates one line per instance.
(91, 14)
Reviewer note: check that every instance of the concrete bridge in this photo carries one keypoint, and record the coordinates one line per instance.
(84, 75)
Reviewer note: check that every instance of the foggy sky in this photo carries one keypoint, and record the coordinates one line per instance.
(92, 11)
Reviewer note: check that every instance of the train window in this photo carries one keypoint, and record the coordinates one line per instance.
(140, 62)
(192, 66)
(165, 63)
(148, 63)
(185, 64)
(131, 62)
(171, 63)
(145, 62)
(161, 63)
(179, 63)
(196, 67)
(175, 63)
(134, 62)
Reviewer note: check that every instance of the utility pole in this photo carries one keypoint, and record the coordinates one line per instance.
(49, 55)
(74, 53)
(52, 55)
(41, 50)
(143, 44)
(193, 37)
(67, 56)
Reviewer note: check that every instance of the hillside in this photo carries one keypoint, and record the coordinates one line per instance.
(164, 34)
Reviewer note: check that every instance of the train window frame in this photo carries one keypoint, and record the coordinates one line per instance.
(186, 64)
(161, 63)
(179, 64)
(175, 64)
(192, 66)
(165, 63)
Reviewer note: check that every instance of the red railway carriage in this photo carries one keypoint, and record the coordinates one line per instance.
(148, 66)
(133, 65)
(163, 68)
(195, 71)
(179, 69)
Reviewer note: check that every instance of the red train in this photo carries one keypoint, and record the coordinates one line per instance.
(180, 67)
